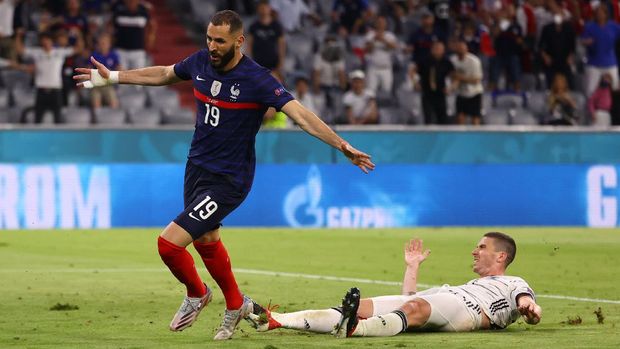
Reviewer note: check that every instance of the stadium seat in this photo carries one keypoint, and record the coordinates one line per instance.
(508, 101)
(109, 116)
(162, 97)
(77, 115)
(144, 117)
(15, 78)
(451, 105)
(132, 98)
(528, 82)
(410, 101)
(10, 115)
(582, 110)
(521, 116)
(495, 116)
(4, 98)
(179, 116)
(203, 10)
(23, 97)
(537, 103)
(385, 99)
(392, 116)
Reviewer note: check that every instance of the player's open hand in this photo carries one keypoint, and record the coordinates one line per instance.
(531, 311)
(358, 158)
(88, 78)
(415, 253)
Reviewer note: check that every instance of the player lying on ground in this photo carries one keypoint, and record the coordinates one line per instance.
(232, 95)
(493, 301)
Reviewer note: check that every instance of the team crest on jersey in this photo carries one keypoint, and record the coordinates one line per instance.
(234, 91)
(215, 88)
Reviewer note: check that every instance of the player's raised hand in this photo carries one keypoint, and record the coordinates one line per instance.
(358, 158)
(415, 253)
(89, 78)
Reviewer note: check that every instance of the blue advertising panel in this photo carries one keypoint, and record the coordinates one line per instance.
(45, 196)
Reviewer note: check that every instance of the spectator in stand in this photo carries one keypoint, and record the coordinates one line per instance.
(303, 94)
(433, 74)
(48, 63)
(600, 102)
(290, 13)
(441, 10)
(359, 102)
(557, 48)
(380, 43)
(108, 57)
(350, 15)
(562, 106)
(134, 31)
(74, 20)
(508, 41)
(471, 36)
(468, 78)
(328, 73)
(599, 37)
(7, 46)
(265, 41)
(420, 42)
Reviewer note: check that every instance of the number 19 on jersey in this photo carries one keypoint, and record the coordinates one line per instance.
(212, 116)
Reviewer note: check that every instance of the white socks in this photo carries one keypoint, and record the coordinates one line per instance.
(320, 321)
(382, 325)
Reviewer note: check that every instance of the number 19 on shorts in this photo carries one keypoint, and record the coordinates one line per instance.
(212, 116)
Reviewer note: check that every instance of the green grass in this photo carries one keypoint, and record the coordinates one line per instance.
(125, 298)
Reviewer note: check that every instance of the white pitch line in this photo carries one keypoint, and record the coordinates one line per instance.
(283, 274)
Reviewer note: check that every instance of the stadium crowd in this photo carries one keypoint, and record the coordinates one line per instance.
(351, 61)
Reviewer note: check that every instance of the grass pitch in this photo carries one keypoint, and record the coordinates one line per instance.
(109, 289)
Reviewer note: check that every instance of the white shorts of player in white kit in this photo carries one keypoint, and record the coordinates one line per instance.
(449, 311)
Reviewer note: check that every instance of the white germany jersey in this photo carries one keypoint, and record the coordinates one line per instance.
(496, 296)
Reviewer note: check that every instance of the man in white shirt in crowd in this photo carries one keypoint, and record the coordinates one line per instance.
(380, 43)
(359, 102)
(492, 301)
(48, 63)
(7, 48)
(468, 79)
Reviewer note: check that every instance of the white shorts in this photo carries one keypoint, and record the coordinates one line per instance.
(449, 311)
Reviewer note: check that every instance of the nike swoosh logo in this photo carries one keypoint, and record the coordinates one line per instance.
(199, 78)
(191, 214)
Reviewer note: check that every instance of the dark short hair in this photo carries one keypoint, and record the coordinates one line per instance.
(504, 243)
(228, 17)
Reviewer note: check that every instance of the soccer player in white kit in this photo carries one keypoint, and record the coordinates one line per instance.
(492, 301)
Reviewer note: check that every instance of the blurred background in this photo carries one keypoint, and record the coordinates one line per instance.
(477, 112)
(409, 62)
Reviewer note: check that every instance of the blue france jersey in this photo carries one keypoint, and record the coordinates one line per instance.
(230, 109)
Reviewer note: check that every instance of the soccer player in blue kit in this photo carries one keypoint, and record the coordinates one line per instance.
(232, 95)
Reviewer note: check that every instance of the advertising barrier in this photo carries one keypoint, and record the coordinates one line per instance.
(42, 196)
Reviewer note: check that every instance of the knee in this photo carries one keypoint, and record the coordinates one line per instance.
(167, 249)
(417, 311)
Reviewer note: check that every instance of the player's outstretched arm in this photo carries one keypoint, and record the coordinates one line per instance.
(528, 308)
(309, 122)
(415, 254)
(102, 76)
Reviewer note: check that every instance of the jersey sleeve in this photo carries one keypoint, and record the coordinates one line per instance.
(184, 69)
(271, 93)
(519, 286)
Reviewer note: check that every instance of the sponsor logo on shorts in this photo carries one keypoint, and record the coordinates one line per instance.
(204, 209)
